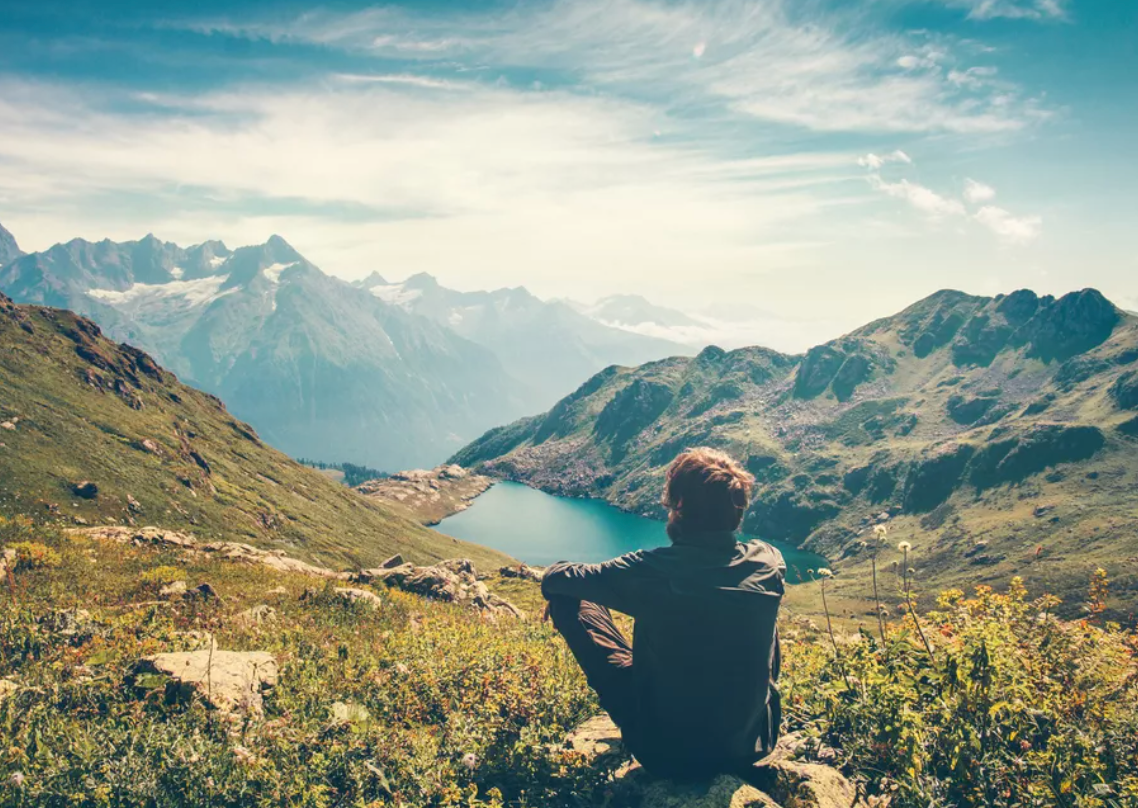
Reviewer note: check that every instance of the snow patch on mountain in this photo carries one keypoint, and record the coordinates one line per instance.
(193, 293)
(396, 294)
(177, 272)
(273, 272)
(165, 302)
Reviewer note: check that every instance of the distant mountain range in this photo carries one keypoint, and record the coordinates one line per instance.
(548, 346)
(391, 375)
(998, 435)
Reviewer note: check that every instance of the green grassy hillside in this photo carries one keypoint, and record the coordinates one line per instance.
(405, 701)
(75, 407)
(998, 435)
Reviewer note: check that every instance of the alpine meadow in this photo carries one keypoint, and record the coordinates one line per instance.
(567, 403)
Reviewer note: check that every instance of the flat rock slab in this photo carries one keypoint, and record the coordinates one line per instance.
(779, 783)
(228, 681)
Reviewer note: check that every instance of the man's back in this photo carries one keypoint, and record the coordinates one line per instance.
(704, 648)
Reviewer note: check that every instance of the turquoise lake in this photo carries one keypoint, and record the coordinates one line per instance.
(539, 529)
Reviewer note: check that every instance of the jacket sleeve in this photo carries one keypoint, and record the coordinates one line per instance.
(612, 584)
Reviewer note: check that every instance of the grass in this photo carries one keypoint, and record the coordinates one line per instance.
(419, 703)
(438, 706)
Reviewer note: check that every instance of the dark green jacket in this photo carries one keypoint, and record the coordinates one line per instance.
(705, 648)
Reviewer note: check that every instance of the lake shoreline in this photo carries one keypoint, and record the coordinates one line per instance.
(539, 528)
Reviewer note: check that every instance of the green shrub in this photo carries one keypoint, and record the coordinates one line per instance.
(1014, 707)
(31, 555)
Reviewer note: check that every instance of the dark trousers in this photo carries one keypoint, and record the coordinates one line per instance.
(603, 653)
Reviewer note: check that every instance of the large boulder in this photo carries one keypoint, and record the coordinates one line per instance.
(779, 782)
(227, 681)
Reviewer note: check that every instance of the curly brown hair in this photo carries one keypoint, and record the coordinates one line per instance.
(706, 491)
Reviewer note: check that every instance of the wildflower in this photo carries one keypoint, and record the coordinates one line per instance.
(904, 547)
(470, 760)
(880, 530)
(17, 779)
(825, 572)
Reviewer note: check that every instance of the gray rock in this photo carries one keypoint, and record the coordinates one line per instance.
(353, 595)
(85, 489)
(262, 613)
(780, 782)
(227, 681)
(523, 571)
(173, 590)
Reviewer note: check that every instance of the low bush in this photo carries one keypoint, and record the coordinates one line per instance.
(1013, 707)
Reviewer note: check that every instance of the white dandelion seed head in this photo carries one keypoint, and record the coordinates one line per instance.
(470, 760)
(826, 573)
(904, 547)
(881, 530)
(17, 779)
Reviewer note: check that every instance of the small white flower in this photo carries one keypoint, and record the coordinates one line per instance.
(904, 547)
(826, 572)
(470, 760)
(881, 530)
(17, 779)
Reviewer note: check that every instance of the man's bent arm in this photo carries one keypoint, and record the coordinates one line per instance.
(609, 584)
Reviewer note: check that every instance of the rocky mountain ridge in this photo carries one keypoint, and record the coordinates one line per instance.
(541, 343)
(958, 418)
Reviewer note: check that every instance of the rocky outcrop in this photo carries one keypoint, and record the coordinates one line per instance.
(933, 479)
(453, 581)
(227, 681)
(1124, 391)
(780, 782)
(430, 495)
(1014, 459)
(523, 571)
(228, 550)
(631, 410)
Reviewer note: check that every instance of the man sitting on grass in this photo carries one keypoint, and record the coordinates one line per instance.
(694, 694)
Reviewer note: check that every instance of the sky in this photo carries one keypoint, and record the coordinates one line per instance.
(824, 162)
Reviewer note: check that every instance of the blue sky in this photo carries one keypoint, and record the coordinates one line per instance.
(827, 161)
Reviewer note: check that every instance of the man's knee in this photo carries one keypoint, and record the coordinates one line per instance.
(564, 613)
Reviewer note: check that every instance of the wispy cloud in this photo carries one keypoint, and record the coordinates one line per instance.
(758, 59)
(1013, 9)
(1016, 229)
(923, 199)
(977, 191)
(1010, 228)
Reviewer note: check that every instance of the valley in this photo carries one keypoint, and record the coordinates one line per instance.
(996, 435)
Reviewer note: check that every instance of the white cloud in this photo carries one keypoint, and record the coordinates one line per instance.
(923, 199)
(1013, 229)
(1012, 9)
(874, 161)
(830, 73)
(975, 192)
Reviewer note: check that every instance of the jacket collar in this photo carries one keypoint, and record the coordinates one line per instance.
(711, 540)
